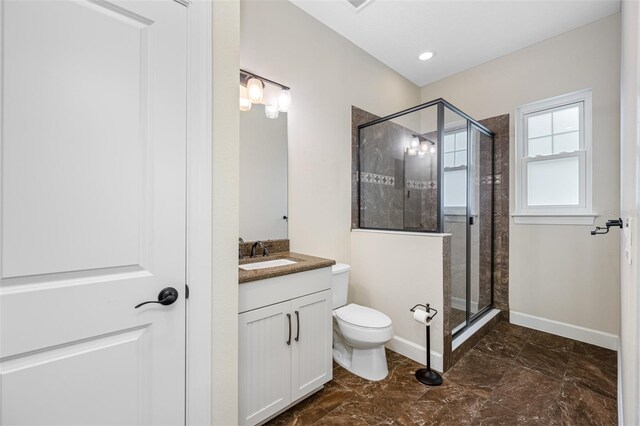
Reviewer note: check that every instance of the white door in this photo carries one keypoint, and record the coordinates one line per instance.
(313, 332)
(629, 351)
(93, 211)
(265, 339)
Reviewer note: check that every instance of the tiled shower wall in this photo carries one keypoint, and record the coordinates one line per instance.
(388, 200)
(499, 125)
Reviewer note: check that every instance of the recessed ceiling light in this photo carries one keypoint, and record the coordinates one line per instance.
(425, 56)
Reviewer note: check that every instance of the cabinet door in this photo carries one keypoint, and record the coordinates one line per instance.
(311, 364)
(265, 362)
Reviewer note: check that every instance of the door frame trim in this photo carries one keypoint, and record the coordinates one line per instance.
(198, 374)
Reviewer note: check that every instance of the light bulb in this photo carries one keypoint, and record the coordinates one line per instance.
(271, 111)
(432, 149)
(284, 100)
(412, 151)
(245, 103)
(255, 90)
(415, 142)
(424, 147)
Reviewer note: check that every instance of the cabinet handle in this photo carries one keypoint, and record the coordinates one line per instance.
(289, 318)
(298, 323)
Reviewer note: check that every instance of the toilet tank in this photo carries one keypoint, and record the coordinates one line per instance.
(340, 284)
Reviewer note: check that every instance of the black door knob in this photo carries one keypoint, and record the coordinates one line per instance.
(166, 297)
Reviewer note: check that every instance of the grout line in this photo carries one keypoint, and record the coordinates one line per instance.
(526, 342)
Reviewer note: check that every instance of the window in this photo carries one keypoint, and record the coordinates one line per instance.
(455, 172)
(455, 148)
(553, 161)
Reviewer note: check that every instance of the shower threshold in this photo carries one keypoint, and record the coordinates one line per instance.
(477, 325)
(458, 328)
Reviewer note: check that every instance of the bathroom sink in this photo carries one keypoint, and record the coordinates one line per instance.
(266, 264)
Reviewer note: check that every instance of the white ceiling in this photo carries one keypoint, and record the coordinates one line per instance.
(463, 33)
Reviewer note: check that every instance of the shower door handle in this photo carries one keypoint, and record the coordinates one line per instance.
(470, 220)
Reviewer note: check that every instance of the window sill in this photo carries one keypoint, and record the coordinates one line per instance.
(587, 219)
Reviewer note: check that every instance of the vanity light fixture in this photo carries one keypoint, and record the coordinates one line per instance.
(425, 56)
(420, 146)
(271, 110)
(254, 86)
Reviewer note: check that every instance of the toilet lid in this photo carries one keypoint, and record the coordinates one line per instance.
(363, 316)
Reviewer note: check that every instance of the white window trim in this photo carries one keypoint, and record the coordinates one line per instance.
(581, 215)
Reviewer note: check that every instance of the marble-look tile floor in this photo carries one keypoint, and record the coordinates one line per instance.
(513, 376)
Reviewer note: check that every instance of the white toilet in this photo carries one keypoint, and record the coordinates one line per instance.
(359, 333)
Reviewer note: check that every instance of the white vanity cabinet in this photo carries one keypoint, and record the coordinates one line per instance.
(285, 349)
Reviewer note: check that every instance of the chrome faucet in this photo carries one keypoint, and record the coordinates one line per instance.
(240, 254)
(255, 245)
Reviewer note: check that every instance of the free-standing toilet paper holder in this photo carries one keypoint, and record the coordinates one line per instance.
(426, 375)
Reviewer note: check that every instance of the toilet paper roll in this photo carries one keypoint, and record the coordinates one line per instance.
(421, 316)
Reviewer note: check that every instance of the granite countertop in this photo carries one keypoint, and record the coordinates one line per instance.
(304, 263)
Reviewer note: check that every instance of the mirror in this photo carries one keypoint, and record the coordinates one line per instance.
(263, 175)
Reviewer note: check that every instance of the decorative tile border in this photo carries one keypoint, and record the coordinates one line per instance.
(390, 181)
(379, 179)
(418, 184)
(421, 184)
(488, 180)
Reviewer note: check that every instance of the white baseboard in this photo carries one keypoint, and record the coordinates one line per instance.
(461, 304)
(575, 332)
(415, 352)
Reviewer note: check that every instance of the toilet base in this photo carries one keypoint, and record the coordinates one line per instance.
(370, 364)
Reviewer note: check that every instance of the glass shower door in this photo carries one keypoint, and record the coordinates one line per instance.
(479, 221)
(455, 199)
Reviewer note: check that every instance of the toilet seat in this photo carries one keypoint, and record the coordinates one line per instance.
(362, 316)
